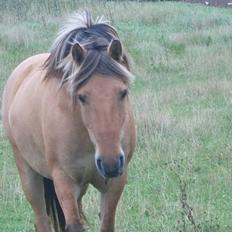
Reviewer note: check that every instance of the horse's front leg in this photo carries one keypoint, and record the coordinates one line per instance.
(109, 202)
(67, 192)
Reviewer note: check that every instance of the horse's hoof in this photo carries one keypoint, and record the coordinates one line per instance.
(75, 228)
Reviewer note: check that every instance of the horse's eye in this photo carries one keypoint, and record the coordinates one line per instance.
(123, 94)
(82, 98)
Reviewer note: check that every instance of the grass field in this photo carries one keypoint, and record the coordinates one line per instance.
(180, 178)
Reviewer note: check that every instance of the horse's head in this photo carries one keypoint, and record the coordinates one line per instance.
(103, 106)
(103, 101)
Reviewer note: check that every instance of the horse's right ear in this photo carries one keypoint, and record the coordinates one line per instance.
(78, 53)
(115, 49)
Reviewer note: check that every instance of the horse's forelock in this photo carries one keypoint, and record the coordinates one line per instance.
(95, 39)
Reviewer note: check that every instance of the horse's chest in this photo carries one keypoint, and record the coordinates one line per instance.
(80, 169)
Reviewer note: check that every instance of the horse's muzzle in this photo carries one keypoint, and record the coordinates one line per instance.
(112, 169)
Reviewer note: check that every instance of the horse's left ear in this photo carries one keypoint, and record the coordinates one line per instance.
(78, 53)
(115, 50)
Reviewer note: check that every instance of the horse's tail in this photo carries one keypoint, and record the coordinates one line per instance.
(53, 207)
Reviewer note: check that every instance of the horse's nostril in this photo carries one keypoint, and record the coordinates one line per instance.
(99, 163)
(121, 160)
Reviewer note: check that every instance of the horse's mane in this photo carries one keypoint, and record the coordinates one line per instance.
(95, 38)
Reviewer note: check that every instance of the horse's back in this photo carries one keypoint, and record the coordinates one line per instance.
(21, 72)
(18, 105)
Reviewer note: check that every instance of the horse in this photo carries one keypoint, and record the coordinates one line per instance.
(69, 119)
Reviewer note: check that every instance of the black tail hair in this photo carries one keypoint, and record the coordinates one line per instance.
(53, 207)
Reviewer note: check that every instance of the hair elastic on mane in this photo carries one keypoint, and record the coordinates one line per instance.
(95, 38)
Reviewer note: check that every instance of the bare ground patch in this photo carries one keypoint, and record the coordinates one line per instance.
(217, 3)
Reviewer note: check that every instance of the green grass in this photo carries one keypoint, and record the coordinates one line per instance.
(180, 178)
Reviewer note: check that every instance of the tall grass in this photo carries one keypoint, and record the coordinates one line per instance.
(180, 178)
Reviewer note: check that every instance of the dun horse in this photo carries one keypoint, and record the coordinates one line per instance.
(69, 119)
